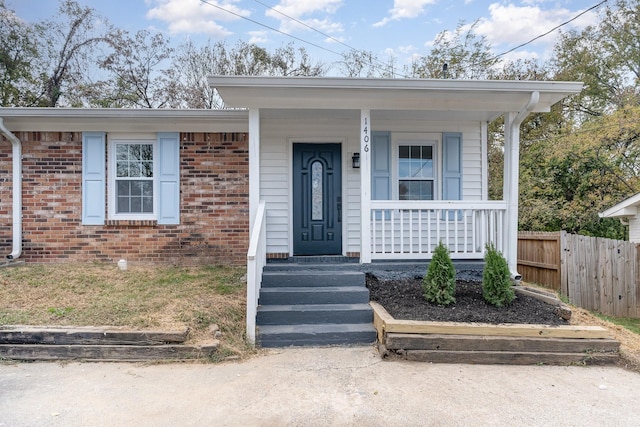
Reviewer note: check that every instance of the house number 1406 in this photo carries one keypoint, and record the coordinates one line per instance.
(365, 136)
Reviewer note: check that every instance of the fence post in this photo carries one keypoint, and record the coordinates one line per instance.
(562, 264)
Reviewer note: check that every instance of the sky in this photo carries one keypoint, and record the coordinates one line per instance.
(401, 29)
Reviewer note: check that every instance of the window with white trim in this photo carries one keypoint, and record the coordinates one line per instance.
(416, 177)
(132, 180)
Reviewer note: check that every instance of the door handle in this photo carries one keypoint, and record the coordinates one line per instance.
(339, 208)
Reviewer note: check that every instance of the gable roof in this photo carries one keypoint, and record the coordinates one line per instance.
(476, 99)
(626, 208)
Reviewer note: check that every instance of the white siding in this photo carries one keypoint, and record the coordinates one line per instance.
(634, 229)
(278, 135)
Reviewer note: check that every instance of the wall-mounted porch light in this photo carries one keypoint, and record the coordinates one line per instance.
(355, 161)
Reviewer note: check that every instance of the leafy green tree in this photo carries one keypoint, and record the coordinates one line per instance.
(136, 77)
(192, 65)
(497, 286)
(68, 46)
(467, 55)
(18, 50)
(439, 284)
(606, 57)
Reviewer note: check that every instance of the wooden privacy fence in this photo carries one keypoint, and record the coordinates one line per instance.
(597, 274)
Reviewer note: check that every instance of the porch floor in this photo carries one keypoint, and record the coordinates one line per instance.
(383, 269)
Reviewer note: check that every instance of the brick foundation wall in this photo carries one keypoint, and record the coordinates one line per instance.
(214, 205)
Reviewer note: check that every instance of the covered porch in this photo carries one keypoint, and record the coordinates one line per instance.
(412, 163)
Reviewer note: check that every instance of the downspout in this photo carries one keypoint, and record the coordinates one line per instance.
(514, 172)
(17, 191)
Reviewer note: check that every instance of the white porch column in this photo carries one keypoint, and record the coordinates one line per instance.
(365, 186)
(512, 123)
(254, 165)
(511, 190)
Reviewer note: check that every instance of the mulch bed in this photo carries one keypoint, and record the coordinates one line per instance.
(403, 299)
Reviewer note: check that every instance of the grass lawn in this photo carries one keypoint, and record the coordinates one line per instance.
(141, 297)
(626, 322)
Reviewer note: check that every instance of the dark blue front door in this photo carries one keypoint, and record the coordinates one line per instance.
(317, 199)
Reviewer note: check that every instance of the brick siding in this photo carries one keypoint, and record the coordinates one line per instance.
(214, 205)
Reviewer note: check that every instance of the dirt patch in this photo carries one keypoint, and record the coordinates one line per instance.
(403, 299)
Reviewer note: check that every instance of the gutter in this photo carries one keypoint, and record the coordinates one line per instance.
(17, 191)
(534, 99)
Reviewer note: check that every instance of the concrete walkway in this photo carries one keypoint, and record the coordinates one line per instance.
(316, 387)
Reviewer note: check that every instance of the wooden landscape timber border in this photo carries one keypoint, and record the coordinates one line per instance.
(104, 344)
(514, 344)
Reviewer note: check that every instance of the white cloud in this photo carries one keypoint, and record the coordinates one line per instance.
(257, 37)
(511, 25)
(195, 16)
(298, 8)
(313, 13)
(404, 9)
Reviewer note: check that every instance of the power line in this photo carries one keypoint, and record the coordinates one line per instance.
(550, 31)
(380, 65)
(271, 28)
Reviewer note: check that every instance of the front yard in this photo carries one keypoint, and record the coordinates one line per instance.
(151, 297)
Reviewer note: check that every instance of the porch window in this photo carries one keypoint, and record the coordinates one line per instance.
(415, 172)
(416, 166)
(133, 175)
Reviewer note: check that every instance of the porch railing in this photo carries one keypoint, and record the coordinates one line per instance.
(412, 229)
(256, 260)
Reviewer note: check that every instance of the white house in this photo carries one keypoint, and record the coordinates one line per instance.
(367, 169)
(380, 168)
(627, 212)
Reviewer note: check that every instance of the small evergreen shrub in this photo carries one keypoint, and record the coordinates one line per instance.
(496, 279)
(439, 284)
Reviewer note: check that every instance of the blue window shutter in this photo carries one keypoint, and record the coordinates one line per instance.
(380, 166)
(93, 178)
(169, 178)
(452, 166)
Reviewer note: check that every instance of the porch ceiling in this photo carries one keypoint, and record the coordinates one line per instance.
(472, 99)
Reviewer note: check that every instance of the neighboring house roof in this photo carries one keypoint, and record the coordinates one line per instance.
(438, 99)
(624, 209)
(123, 120)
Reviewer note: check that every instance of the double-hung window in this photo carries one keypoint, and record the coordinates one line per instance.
(133, 180)
(140, 175)
(416, 166)
(416, 178)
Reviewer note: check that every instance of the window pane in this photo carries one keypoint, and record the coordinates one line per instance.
(123, 205)
(122, 169)
(136, 188)
(416, 167)
(136, 204)
(135, 170)
(123, 188)
(147, 169)
(134, 152)
(147, 189)
(403, 152)
(147, 204)
(426, 169)
(146, 152)
(317, 207)
(403, 168)
(427, 152)
(122, 151)
(415, 152)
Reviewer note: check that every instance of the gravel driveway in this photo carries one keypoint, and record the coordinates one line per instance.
(315, 387)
